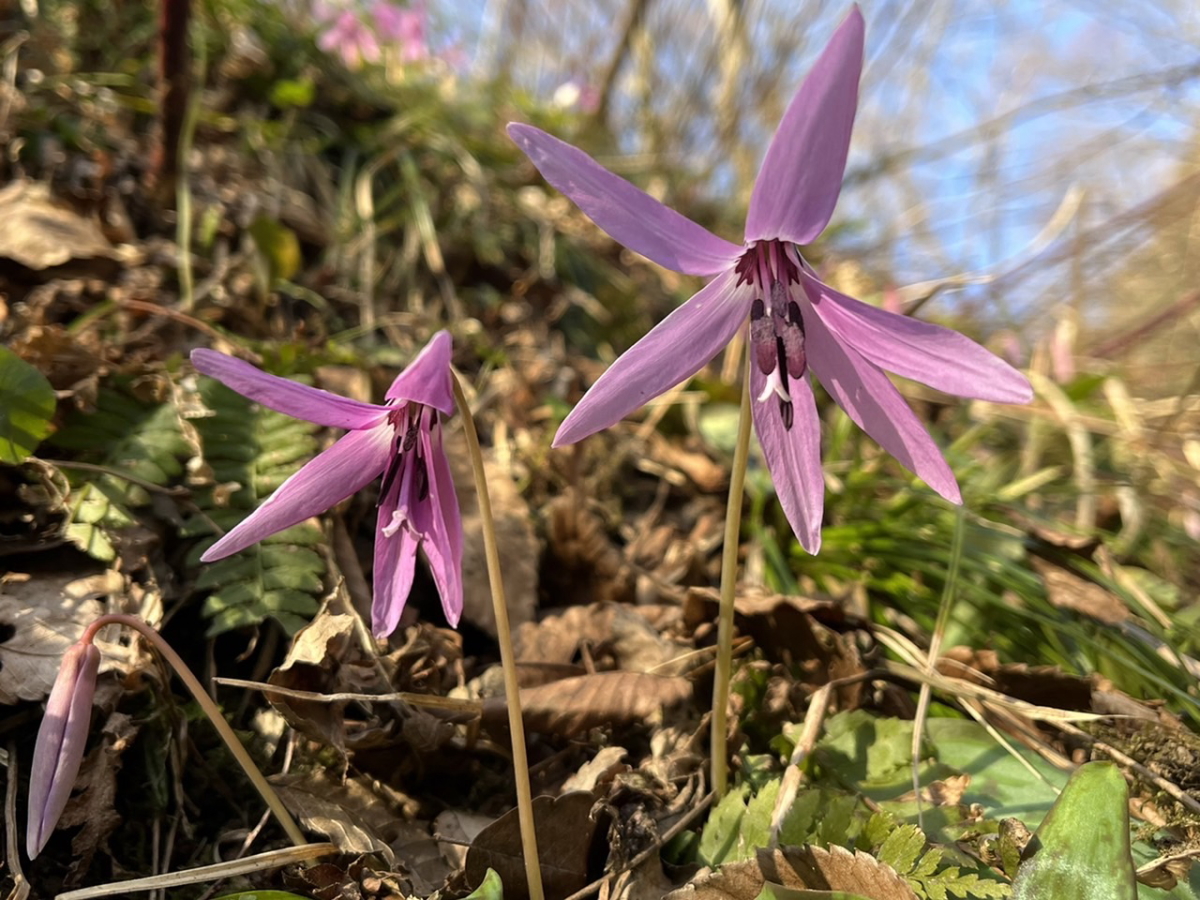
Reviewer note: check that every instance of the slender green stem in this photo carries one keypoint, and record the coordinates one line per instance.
(935, 650)
(212, 711)
(533, 869)
(183, 186)
(729, 563)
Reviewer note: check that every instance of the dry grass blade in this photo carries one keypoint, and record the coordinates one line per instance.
(573, 705)
(272, 859)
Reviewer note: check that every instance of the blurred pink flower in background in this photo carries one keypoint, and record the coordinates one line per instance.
(403, 27)
(345, 34)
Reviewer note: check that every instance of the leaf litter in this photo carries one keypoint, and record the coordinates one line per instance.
(611, 552)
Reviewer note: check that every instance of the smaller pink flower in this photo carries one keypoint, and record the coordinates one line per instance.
(400, 440)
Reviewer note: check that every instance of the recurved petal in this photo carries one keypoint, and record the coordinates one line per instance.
(286, 396)
(793, 456)
(395, 565)
(801, 175)
(939, 357)
(61, 739)
(325, 480)
(872, 401)
(427, 378)
(444, 545)
(627, 213)
(675, 349)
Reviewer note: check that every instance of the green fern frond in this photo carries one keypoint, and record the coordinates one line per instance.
(903, 849)
(128, 437)
(250, 451)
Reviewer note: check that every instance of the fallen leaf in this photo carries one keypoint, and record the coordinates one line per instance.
(573, 705)
(803, 868)
(349, 814)
(1066, 590)
(41, 232)
(601, 768)
(94, 807)
(564, 829)
(40, 618)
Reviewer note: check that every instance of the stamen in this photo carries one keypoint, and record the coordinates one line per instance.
(788, 413)
(761, 337)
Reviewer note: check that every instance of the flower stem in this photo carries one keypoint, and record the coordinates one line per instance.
(533, 870)
(210, 708)
(729, 562)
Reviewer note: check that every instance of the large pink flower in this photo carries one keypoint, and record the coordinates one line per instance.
(797, 324)
(402, 440)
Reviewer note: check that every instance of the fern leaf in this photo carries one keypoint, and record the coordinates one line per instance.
(251, 451)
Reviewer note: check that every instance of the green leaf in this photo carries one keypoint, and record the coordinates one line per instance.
(491, 889)
(26, 407)
(252, 450)
(262, 895)
(1082, 847)
(719, 839)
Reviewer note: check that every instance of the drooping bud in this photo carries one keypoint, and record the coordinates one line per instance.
(60, 743)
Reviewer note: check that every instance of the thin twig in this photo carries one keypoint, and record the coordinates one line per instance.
(11, 832)
(818, 706)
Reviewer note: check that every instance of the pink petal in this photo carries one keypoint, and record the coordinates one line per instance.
(444, 544)
(61, 739)
(801, 175)
(872, 401)
(395, 566)
(939, 357)
(324, 481)
(286, 396)
(676, 349)
(426, 380)
(793, 456)
(628, 214)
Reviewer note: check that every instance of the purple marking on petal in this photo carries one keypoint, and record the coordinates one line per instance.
(324, 481)
(793, 457)
(801, 175)
(426, 380)
(444, 547)
(872, 401)
(674, 350)
(61, 739)
(627, 213)
(939, 357)
(394, 568)
(286, 396)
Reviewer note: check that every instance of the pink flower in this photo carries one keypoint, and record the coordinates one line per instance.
(401, 440)
(404, 27)
(350, 38)
(797, 324)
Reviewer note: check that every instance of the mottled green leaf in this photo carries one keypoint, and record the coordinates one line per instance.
(1082, 847)
(26, 407)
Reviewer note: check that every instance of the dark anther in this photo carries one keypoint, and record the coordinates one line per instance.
(410, 436)
(787, 412)
(781, 353)
(422, 476)
(757, 309)
(762, 337)
(389, 477)
(794, 317)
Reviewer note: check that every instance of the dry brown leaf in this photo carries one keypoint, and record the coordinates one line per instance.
(565, 828)
(1066, 590)
(40, 618)
(573, 705)
(312, 664)
(583, 566)
(948, 792)
(41, 232)
(803, 868)
(601, 768)
(94, 806)
(349, 814)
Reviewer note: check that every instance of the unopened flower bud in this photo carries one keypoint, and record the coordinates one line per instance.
(60, 743)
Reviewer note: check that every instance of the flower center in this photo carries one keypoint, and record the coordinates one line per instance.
(776, 322)
(406, 461)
